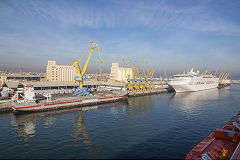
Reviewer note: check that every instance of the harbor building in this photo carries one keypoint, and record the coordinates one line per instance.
(3, 79)
(120, 74)
(20, 78)
(56, 72)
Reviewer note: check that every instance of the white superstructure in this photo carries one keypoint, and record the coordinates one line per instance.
(193, 81)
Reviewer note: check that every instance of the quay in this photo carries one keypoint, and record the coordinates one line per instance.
(68, 87)
(159, 91)
(5, 106)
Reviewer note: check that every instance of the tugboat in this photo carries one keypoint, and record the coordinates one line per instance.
(222, 144)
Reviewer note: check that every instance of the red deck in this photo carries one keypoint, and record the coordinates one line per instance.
(222, 144)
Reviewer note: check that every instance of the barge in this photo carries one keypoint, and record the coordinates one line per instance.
(222, 144)
(25, 99)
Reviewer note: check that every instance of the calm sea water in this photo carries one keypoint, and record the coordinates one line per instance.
(156, 126)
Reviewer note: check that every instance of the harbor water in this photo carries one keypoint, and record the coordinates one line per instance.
(154, 126)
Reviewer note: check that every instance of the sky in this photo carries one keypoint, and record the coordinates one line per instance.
(169, 35)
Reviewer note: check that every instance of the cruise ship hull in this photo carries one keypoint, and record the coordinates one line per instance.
(191, 86)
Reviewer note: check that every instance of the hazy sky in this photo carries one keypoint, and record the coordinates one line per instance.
(169, 34)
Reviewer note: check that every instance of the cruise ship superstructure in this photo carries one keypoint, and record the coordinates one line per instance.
(193, 81)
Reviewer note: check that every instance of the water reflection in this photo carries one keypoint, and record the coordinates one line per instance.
(140, 105)
(25, 128)
(80, 133)
(25, 123)
(191, 100)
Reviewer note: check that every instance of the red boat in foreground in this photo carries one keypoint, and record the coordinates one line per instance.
(222, 144)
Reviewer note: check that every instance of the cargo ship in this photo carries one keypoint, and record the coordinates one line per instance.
(25, 99)
(222, 144)
(193, 81)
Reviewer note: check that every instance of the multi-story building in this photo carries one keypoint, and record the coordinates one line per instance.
(60, 72)
(120, 74)
(2, 80)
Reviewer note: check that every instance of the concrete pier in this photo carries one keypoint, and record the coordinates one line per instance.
(5, 106)
(159, 91)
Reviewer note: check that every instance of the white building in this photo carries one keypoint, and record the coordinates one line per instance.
(2, 80)
(60, 72)
(120, 74)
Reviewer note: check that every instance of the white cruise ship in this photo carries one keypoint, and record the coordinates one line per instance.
(194, 81)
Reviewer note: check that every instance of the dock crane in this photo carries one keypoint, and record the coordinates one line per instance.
(147, 84)
(140, 82)
(139, 78)
(223, 77)
(145, 78)
(101, 62)
(81, 70)
(220, 77)
(134, 84)
(151, 77)
(128, 85)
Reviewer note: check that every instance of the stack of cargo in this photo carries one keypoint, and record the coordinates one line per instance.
(222, 144)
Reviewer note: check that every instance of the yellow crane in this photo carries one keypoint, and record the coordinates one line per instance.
(101, 62)
(226, 77)
(147, 84)
(81, 70)
(222, 75)
(136, 69)
(151, 77)
(145, 78)
(128, 85)
(139, 78)
(134, 80)
(124, 65)
(144, 73)
(147, 67)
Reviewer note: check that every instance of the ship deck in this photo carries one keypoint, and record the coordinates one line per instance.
(68, 99)
(214, 145)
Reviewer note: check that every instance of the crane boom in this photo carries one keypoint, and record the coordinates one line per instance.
(136, 67)
(132, 66)
(143, 68)
(81, 70)
(147, 67)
